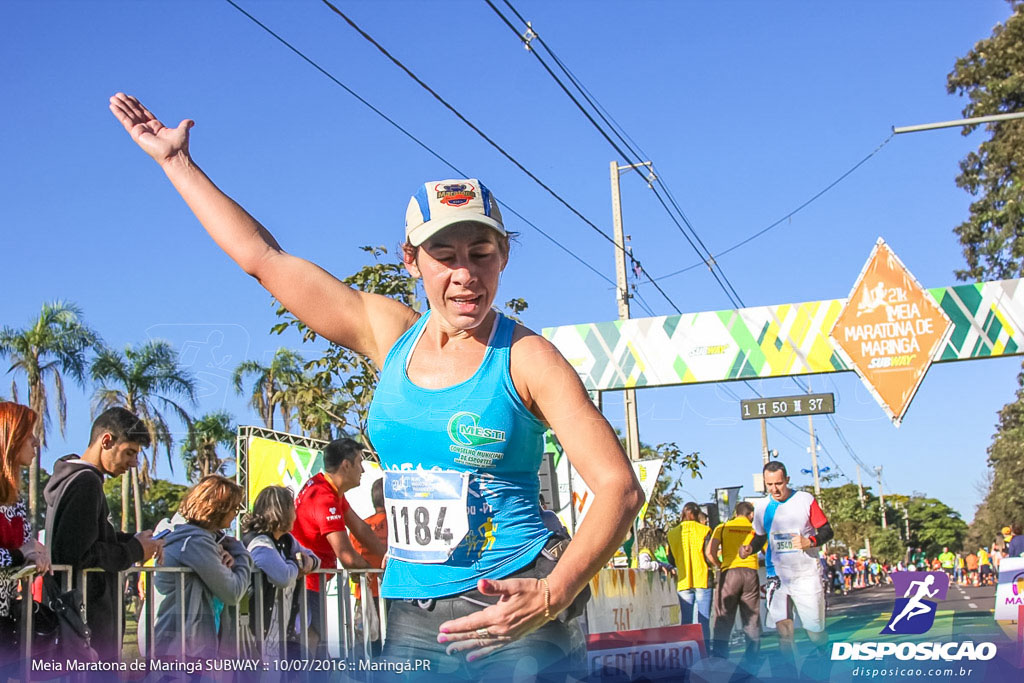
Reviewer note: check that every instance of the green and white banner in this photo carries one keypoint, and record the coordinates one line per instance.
(771, 341)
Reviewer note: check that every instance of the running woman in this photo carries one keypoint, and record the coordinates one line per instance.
(790, 526)
(458, 418)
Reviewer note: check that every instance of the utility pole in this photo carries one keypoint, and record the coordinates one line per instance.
(766, 454)
(814, 452)
(622, 297)
(860, 488)
(860, 494)
(814, 458)
(881, 495)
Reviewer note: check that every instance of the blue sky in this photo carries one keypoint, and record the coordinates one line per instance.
(747, 110)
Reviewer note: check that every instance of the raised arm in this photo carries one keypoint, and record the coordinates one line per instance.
(366, 323)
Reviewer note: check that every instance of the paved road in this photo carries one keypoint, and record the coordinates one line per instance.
(965, 615)
(965, 612)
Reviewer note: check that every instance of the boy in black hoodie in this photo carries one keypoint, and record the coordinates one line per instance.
(78, 530)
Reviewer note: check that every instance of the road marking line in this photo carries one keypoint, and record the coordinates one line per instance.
(972, 605)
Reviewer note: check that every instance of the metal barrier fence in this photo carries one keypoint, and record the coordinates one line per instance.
(25, 577)
(247, 614)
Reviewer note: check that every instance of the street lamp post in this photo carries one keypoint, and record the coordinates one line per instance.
(959, 122)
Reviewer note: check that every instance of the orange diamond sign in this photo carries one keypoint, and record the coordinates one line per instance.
(889, 331)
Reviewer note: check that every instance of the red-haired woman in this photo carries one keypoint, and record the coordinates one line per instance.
(17, 545)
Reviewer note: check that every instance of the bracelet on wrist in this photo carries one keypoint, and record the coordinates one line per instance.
(547, 599)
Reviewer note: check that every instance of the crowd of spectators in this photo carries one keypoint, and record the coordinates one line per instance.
(286, 539)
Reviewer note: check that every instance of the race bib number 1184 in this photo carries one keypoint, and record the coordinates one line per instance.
(426, 512)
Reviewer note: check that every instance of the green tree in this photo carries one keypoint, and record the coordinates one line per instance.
(50, 348)
(853, 517)
(199, 450)
(887, 545)
(933, 524)
(160, 500)
(991, 75)
(513, 307)
(666, 502)
(1003, 502)
(44, 477)
(336, 388)
(317, 405)
(266, 394)
(856, 519)
(149, 382)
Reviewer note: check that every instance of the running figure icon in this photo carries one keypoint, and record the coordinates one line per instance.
(915, 606)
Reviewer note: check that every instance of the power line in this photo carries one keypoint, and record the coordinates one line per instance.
(501, 150)
(719, 277)
(412, 137)
(637, 265)
(613, 125)
(707, 259)
(641, 302)
(789, 215)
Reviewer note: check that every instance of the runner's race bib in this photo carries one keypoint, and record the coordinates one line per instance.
(426, 512)
(782, 543)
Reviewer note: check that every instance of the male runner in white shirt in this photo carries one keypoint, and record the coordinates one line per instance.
(790, 526)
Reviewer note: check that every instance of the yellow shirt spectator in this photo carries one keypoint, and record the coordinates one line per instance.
(732, 534)
(686, 543)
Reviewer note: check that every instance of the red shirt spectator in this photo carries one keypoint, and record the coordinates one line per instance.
(323, 516)
(319, 510)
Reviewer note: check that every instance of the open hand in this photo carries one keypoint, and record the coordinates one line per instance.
(520, 610)
(156, 139)
(305, 563)
(150, 546)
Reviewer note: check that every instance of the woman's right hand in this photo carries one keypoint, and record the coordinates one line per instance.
(306, 563)
(157, 140)
(37, 554)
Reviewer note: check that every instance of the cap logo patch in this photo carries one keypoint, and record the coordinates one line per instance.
(455, 194)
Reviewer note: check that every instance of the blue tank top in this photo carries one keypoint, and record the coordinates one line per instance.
(479, 426)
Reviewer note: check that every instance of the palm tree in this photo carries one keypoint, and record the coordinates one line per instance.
(148, 381)
(199, 451)
(266, 395)
(51, 347)
(311, 399)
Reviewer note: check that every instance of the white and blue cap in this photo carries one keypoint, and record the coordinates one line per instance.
(440, 203)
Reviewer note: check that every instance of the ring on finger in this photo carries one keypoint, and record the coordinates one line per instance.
(483, 633)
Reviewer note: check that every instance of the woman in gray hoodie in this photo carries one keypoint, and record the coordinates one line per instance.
(220, 570)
